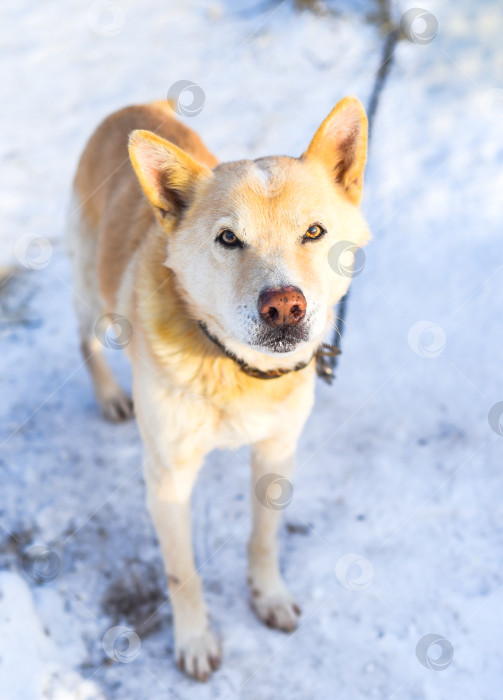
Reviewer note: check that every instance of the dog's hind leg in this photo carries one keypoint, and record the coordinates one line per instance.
(115, 404)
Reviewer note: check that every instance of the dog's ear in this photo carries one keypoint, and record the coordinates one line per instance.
(341, 145)
(166, 173)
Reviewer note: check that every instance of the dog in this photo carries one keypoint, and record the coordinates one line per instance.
(218, 277)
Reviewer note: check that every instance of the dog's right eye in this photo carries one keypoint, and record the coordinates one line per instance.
(229, 239)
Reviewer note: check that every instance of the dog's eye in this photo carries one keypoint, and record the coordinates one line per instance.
(313, 232)
(229, 238)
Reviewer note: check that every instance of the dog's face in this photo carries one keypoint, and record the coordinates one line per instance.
(255, 244)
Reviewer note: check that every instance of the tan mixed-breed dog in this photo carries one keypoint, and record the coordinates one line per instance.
(222, 270)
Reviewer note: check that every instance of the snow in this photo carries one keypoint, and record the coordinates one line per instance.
(398, 465)
(25, 643)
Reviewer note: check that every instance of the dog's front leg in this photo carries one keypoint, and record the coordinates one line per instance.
(168, 498)
(272, 467)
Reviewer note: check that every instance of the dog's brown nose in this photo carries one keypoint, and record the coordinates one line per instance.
(282, 306)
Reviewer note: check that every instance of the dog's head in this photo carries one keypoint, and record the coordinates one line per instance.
(256, 246)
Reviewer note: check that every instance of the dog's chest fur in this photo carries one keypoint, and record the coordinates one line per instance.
(200, 387)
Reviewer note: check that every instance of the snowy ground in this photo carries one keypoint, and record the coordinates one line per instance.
(398, 464)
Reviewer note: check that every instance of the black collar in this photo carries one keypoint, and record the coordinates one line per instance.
(323, 351)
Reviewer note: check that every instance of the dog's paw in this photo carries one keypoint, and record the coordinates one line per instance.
(117, 406)
(278, 610)
(198, 656)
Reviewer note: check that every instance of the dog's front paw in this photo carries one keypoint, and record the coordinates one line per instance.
(198, 656)
(276, 609)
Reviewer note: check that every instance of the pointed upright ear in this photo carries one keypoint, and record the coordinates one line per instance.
(341, 145)
(166, 173)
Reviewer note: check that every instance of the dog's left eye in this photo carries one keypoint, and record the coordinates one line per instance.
(313, 232)
(229, 238)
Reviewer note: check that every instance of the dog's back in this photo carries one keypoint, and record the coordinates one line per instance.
(105, 168)
(112, 208)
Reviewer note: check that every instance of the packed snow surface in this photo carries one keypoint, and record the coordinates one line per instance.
(399, 464)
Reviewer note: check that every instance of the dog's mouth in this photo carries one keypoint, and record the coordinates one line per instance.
(280, 340)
